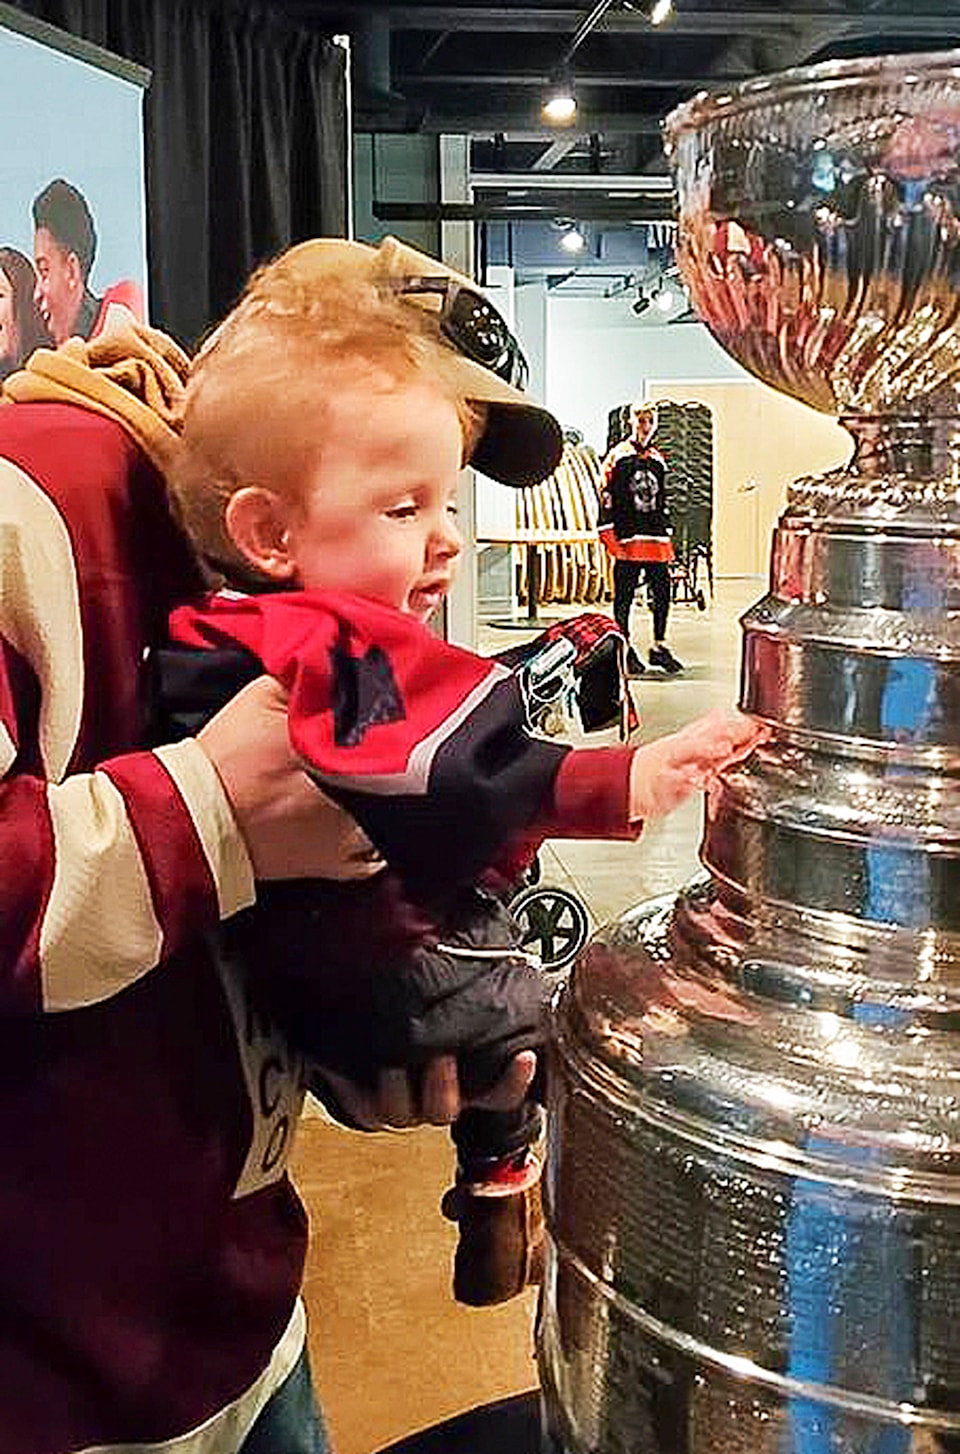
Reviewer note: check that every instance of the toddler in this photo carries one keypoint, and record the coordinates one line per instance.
(325, 427)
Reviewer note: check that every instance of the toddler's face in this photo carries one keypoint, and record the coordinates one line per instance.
(379, 518)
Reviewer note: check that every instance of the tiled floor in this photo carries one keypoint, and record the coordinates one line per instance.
(391, 1350)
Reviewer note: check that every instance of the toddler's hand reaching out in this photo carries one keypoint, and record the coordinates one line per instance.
(666, 772)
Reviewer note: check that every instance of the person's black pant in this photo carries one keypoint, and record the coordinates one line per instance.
(626, 575)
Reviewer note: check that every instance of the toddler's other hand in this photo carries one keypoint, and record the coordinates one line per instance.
(666, 772)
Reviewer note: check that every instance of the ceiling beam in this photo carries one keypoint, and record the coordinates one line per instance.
(555, 153)
(525, 122)
(644, 79)
(689, 20)
(581, 209)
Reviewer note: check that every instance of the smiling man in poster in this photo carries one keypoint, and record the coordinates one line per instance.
(64, 246)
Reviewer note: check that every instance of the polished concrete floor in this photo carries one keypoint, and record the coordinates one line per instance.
(392, 1352)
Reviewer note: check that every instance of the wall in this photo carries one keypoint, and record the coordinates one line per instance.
(600, 354)
(388, 168)
(761, 441)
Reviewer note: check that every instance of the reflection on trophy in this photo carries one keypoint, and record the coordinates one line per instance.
(754, 1186)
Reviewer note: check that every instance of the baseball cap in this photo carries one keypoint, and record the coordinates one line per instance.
(522, 442)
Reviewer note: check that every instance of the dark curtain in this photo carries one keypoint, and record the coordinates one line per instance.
(245, 140)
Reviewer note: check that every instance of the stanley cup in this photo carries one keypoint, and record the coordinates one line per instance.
(754, 1183)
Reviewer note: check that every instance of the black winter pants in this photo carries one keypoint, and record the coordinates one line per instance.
(626, 575)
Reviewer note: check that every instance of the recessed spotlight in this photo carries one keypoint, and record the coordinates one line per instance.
(573, 240)
(560, 103)
(655, 11)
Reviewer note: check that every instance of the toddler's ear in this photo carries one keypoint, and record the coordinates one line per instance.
(256, 521)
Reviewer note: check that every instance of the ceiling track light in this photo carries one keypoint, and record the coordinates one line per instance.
(559, 105)
(572, 239)
(655, 12)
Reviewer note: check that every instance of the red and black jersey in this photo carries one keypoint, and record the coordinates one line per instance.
(426, 745)
(634, 523)
(423, 742)
(151, 1245)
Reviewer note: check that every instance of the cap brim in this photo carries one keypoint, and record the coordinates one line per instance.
(522, 442)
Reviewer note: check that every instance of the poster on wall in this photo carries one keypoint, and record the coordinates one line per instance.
(73, 257)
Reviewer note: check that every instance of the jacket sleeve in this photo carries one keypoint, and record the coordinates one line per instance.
(109, 870)
(589, 799)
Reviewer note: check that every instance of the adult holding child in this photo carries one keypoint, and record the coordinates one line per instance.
(152, 1243)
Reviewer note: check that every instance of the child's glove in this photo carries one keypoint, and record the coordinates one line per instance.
(500, 1216)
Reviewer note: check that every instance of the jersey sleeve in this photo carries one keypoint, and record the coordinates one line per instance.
(605, 522)
(110, 863)
(108, 872)
(591, 796)
(609, 462)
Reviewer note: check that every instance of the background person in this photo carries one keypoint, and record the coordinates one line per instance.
(22, 328)
(64, 248)
(634, 525)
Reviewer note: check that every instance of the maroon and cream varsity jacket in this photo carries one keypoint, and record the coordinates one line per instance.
(151, 1245)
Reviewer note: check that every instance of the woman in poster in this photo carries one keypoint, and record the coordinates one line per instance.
(22, 328)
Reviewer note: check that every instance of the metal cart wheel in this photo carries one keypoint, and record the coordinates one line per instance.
(553, 923)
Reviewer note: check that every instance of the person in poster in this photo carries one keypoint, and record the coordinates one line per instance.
(22, 328)
(64, 247)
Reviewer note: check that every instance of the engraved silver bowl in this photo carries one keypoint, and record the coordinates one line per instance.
(753, 1186)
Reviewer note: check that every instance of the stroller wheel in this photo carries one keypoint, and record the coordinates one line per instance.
(701, 601)
(553, 923)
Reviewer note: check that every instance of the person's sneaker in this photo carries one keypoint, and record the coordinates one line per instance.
(635, 667)
(664, 658)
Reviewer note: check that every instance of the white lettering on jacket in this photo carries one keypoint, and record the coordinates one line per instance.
(273, 1072)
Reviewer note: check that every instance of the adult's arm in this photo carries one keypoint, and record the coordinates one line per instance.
(108, 872)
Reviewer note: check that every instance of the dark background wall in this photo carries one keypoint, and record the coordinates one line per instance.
(245, 140)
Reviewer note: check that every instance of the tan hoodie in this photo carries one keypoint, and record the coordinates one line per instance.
(135, 375)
